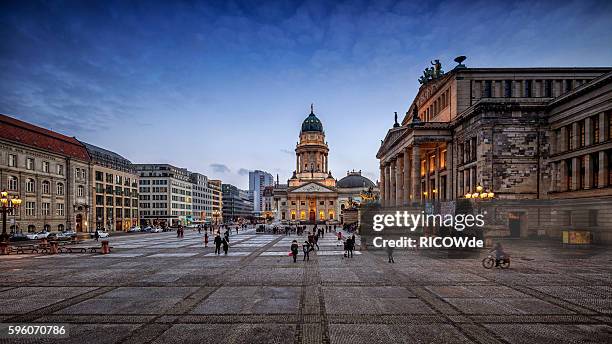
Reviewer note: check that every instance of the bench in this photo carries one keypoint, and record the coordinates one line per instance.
(94, 249)
(73, 249)
(23, 248)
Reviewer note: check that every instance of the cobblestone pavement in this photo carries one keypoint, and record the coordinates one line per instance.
(155, 288)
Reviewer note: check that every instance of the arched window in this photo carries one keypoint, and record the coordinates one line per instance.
(46, 187)
(60, 228)
(60, 189)
(30, 185)
(80, 191)
(13, 182)
(31, 228)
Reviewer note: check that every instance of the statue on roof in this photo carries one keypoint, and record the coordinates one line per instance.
(431, 73)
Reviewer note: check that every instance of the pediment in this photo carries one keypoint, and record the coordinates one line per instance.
(312, 188)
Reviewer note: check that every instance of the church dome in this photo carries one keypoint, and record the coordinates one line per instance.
(354, 180)
(312, 123)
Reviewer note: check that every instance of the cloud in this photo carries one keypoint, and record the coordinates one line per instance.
(220, 168)
(288, 151)
(243, 172)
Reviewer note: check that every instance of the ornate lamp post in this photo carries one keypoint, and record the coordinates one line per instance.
(9, 205)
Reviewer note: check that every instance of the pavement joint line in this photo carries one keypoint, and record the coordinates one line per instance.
(52, 308)
(426, 297)
(137, 338)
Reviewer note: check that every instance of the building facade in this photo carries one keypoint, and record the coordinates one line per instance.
(215, 185)
(351, 190)
(535, 138)
(114, 190)
(236, 203)
(49, 172)
(310, 195)
(258, 181)
(202, 198)
(165, 195)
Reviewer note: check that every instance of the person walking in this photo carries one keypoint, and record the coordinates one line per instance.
(225, 243)
(316, 241)
(294, 250)
(339, 238)
(390, 254)
(311, 241)
(97, 235)
(205, 239)
(199, 229)
(217, 244)
(306, 248)
(351, 245)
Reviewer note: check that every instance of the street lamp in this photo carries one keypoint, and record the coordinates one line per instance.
(9, 206)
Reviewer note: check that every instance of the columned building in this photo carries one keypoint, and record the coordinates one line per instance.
(538, 139)
(310, 195)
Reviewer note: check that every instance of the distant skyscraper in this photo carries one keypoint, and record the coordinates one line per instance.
(258, 180)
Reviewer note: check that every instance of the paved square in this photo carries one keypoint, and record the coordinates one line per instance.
(156, 288)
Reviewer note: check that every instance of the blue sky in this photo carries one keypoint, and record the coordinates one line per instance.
(222, 87)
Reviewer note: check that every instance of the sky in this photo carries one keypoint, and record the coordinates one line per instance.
(222, 88)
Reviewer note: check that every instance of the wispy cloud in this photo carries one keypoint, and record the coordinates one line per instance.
(243, 172)
(220, 168)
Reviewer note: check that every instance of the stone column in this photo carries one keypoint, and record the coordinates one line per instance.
(406, 174)
(399, 181)
(575, 173)
(576, 140)
(387, 184)
(297, 164)
(587, 131)
(603, 128)
(416, 174)
(436, 195)
(562, 176)
(450, 163)
(588, 171)
(382, 185)
(392, 183)
(603, 169)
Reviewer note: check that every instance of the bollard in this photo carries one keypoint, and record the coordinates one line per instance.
(4, 248)
(105, 247)
(54, 246)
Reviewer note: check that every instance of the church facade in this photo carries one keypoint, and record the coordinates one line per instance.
(310, 195)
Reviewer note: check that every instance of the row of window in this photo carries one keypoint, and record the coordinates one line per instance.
(117, 213)
(30, 209)
(582, 179)
(437, 106)
(30, 165)
(303, 203)
(577, 139)
(303, 215)
(526, 88)
(116, 179)
(30, 187)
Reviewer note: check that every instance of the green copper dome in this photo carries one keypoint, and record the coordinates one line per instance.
(312, 123)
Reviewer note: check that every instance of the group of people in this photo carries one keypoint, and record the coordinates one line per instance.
(219, 242)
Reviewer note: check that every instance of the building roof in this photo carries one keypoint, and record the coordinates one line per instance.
(354, 180)
(107, 158)
(17, 131)
(312, 123)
